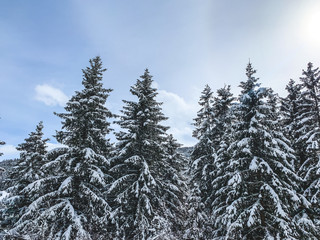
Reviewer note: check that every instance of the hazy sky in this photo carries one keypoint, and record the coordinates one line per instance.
(184, 43)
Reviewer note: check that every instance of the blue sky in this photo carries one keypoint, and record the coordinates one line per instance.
(184, 43)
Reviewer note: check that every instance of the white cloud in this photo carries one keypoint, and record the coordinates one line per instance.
(181, 114)
(9, 152)
(50, 96)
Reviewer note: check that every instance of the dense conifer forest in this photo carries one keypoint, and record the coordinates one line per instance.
(254, 172)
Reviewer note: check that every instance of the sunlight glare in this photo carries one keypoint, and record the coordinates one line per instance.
(311, 26)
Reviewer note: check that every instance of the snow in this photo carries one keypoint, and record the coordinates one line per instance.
(89, 153)
(133, 159)
(276, 200)
(254, 215)
(236, 179)
(254, 164)
(3, 195)
(97, 176)
(243, 142)
(65, 185)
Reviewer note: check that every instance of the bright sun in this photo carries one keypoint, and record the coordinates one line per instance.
(311, 25)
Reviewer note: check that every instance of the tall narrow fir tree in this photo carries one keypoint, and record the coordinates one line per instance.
(72, 205)
(144, 201)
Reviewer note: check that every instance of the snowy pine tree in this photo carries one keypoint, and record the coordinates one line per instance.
(221, 109)
(222, 131)
(174, 183)
(259, 183)
(201, 156)
(72, 205)
(201, 165)
(290, 105)
(309, 118)
(27, 170)
(289, 111)
(144, 202)
(308, 121)
(197, 218)
(32, 157)
(203, 121)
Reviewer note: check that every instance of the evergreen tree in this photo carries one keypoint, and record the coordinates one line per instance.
(308, 118)
(201, 156)
(259, 182)
(32, 157)
(291, 122)
(27, 170)
(221, 110)
(222, 131)
(201, 165)
(289, 112)
(174, 184)
(72, 205)
(203, 121)
(144, 202)
(197, 218)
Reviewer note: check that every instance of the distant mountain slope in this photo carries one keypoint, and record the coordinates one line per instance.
(186, 151)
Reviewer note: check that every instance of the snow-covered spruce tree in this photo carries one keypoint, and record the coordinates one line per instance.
(203, 120)
(73, 205)
(309, 117)
(201, 161)
(173, 176)
(222, 132)
(259, 192)
(26, 171)
(201, 156)
(289, 111)
(197, 218)
(221, 112)
(309, 135)
(144, 202)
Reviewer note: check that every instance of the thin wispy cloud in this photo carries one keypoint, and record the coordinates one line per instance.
(50, 96)
(181, 114)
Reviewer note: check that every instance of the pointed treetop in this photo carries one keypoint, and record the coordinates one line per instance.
(310, 76)
(206, 96)
(146, 77)
(293, 88)
(93, 74)
(85, 123)
(34, 143)
(225, 91)
(249, 70)
(251, 82)
(143, 87)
